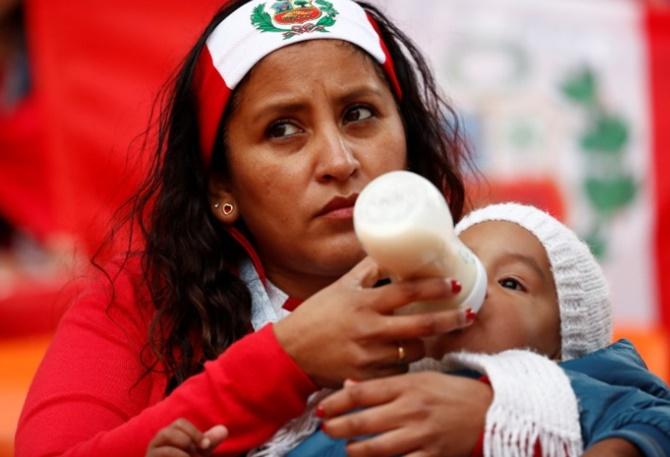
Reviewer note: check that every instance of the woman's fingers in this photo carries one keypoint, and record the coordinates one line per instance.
(389, 444)
(395, 295)
(388, 298)
(408, 414)
(362, 335)
(389, 354)
(383, 423)
(370, 421)
(359, 395)
(423, 325)
(404, 352)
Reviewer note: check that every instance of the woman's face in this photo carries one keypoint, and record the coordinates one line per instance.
(521, 306)
(314, 123)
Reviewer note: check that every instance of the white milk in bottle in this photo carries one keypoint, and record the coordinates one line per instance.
(403, 222)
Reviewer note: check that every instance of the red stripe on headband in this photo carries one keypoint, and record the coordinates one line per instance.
(212, 95)
(388, 66)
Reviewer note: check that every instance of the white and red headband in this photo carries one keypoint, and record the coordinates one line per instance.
(259, 28)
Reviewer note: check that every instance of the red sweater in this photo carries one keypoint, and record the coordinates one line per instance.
(89, 398)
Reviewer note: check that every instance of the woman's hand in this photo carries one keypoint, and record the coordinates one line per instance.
(348, 330)
(182, 439)
(417, 414)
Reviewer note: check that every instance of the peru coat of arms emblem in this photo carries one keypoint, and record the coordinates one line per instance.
(299, 16)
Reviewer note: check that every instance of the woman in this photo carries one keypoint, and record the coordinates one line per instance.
(277, 119)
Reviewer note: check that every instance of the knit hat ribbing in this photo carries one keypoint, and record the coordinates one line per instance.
(583, 293)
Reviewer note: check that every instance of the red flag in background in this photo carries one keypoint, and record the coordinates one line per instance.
(658, 28)
(97, 67)
(67, 159)
(24, 196)
(64, 164)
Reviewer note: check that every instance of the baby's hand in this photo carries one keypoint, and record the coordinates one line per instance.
(182, 439)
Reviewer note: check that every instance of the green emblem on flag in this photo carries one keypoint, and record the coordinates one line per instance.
(299, 15)
(609, 185)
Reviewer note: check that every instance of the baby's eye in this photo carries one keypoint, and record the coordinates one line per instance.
(512, 283)
(282, 129)
(357, 113)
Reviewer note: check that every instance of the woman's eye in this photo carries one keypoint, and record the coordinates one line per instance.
(511, 283)
(357, 113)
(282, 129)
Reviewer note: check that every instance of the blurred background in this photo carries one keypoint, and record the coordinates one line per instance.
(566, 104)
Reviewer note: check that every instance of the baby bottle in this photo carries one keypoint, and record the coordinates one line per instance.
(403, 222)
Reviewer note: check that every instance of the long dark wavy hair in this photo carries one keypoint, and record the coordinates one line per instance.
(188, 258)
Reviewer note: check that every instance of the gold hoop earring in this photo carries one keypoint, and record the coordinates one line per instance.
(227, 209)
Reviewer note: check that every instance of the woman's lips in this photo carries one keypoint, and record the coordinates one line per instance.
(342, 213)
(339, 208)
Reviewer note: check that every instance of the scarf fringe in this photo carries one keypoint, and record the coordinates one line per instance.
(545, 413)
(514, 436)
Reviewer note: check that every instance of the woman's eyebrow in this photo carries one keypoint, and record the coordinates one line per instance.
(359, 92)
(279, 105)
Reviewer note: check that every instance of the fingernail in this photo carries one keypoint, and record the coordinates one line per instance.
(468, 316)
(320, 412)
(205, 443)
(323, 427)
(455, 286)
(350, 382)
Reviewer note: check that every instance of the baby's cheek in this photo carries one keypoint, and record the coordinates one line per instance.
(438, 346)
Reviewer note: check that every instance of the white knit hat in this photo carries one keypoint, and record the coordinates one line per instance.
(583, 294)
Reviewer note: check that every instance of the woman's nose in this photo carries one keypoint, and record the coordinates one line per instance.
(336, 159)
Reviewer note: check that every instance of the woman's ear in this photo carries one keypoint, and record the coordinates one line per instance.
(224, 205)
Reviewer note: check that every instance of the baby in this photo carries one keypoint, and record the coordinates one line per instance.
(546, 291)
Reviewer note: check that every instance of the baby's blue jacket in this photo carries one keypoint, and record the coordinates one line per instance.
(618, 397)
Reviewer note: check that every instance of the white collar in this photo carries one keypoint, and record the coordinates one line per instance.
(267, 300)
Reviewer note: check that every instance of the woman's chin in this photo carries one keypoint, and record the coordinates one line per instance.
(342, 251)
(340, 261)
